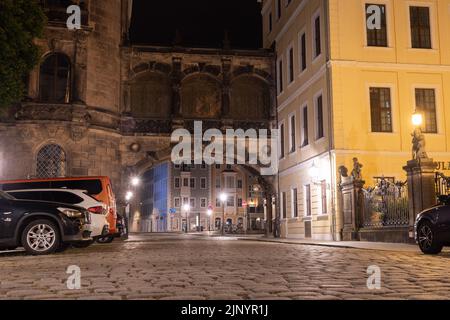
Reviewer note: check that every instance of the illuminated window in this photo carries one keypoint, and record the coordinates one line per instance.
(426, 104)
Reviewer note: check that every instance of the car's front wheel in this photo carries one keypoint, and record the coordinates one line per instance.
(41, 237)
(426, 236)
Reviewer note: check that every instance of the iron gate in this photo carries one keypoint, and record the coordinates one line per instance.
(442, 184)
(385, 205)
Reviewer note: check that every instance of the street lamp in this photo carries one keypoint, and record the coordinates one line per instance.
(417, 119)
(129, 195)
(223, 198)
(186, 208)
(135, 181)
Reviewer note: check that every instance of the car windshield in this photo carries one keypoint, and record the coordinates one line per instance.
(4, 195)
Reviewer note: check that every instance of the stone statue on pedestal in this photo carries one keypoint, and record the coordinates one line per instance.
(356, 172)
(418, 145)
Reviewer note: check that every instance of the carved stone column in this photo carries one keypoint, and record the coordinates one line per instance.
(78, 72)
(176, 87)
(226, 84)
(126, 98)
(273, 102)
(421, 188)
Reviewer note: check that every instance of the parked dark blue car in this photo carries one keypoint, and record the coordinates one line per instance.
(41, 227)
(432, 228)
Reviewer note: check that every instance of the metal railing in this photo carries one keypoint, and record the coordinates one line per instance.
(385, 205)
(442, 183)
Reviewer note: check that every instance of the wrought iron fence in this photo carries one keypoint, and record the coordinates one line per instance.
(385, 205)
(442, 184)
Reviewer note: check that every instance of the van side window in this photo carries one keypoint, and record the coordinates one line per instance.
(26, 185)
(91, 186)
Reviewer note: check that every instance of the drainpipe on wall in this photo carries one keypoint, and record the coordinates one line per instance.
(277, 224)
(333, 190)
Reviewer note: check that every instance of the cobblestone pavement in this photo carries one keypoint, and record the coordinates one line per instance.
(179, 267)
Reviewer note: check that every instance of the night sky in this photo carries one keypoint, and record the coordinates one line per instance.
(200, 22)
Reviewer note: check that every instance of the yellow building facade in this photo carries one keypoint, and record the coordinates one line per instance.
(360, 69)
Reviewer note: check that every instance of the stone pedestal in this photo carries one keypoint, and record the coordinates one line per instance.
(350, 189)
(421, 188)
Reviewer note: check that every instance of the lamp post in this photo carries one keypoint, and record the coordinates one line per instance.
(209, 219)
(223, 198)
(417, 120)
(186, 209)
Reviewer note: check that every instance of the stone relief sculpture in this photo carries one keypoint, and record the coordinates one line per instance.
(418, 145)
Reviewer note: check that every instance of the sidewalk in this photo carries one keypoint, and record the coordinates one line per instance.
(380, 246)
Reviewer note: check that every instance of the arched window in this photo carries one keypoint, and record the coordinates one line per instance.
(51, 162)
(54, 79)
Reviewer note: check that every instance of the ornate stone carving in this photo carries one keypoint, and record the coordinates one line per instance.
(356, 172)
(44, 112)
(26, 133)
(78, 132)
(153, 126)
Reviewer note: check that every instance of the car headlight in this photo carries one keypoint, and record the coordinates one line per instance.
(71, 213)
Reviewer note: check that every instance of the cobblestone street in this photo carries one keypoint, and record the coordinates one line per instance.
(180, 267)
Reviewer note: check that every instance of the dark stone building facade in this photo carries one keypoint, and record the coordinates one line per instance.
(97, 105)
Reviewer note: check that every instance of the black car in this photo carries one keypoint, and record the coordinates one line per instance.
(41, 227)
(432, 228)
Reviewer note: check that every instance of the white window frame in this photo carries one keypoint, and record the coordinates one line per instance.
(206, 183)
(280, 89)
(175, 202)
(305, 200)
(313, 28)
(282, 139)
(234, 201)
(394, 108)
(316, 116)
(293, 204)
(179, 183)
(300, 51)
(288, 63)
(193, 200)
(387, 4)
(278, 9)
(195, 183)
(206, 203)
(439, 111)
(302, 125)
(292, 148)
(433, 19)
(321, 213)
